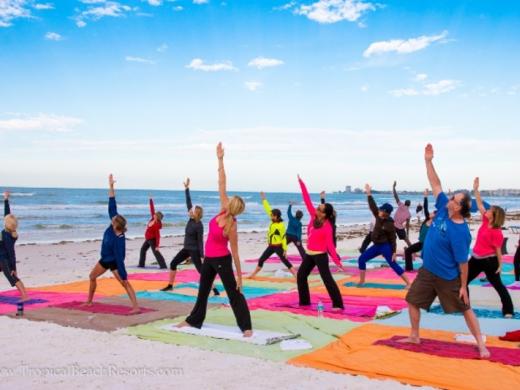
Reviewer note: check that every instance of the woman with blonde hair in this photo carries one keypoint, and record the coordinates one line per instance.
(487, 252)
(219, 258)
(193, 247)
(113, 250)
(7, 254)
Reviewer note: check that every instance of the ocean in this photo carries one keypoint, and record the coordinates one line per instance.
(49, 215)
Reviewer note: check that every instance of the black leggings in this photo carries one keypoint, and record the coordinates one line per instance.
(183, 255)
(516, 263)
(408, 258)
(366, 242)
(489, 266)
(151, 244)
(210, 268)
(322, 261)
(269, 251)
(297, 243)
(6, 268)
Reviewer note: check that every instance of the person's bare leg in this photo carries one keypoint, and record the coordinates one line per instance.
(248, 333)
(474, 328)
(293, 271)
(406, 280)
(96, 272)
(130, 291)
(257, 270)
(362, 274)
(21, 288)
(415, 319)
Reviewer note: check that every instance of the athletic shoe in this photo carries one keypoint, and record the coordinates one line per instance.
(216, 292)
(167, 288)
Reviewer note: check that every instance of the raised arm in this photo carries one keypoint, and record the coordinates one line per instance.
(265, 203)
(112, 206)
(7, 208)
(371, 202)
(152, 208)
(189, 205)
(322, 197)
(224, 200)
(394, 191)
(289, 212)
(306, 198)
(425, 205)
(435, 182)
(476, 192)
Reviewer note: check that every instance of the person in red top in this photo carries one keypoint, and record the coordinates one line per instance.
(487, 253)
(152, 238)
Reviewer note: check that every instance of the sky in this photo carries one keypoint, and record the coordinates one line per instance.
(342, 92)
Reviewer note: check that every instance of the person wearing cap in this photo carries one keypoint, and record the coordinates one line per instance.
(444, 273)
(383, 238)
(193, 247)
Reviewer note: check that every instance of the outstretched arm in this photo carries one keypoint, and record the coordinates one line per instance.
(307, 198)
(425, 205)
(265, 203)
(7, 209)
(371, 202)
(224, 200)
(478, 198)
(394, 191)
(189, 205)
(289, 212)
(152, 208)
(433, 178)
(112, 206)
(322, 197)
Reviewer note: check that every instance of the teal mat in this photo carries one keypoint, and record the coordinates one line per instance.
(479, 312)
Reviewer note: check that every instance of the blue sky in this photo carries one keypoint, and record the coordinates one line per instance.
(342, 92)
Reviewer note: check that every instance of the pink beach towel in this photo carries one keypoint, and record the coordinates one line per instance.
(101, 308)
(509, 356)
(40, 299)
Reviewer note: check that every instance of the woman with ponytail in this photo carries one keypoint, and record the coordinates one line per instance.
(7, 254)
(218, 258)
(320, 244)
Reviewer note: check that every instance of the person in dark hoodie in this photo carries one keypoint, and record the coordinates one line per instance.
(7, 254)
(152, 238)
(193, 247)
(383, 237)
(113, 250)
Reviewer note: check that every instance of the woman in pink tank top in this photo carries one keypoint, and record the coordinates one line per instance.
(220, 257)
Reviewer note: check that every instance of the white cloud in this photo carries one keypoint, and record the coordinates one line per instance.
(430, 89)
(364, 88)
(80, 23)
(200, 1)
(253, 85)
(178, 8)
(420, 77)
(285, 6)
(140, 60)
(333, 11)
(98, 9)
(403, 46)
(11, 10)
(43, 6)
(52, 36)
(198, 64)
(155, 3)
(162, 48)
(262, 62)
(40, 122)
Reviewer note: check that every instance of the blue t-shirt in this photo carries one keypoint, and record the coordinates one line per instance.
(447, 243)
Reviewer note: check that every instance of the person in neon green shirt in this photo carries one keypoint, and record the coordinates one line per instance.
(276, 241)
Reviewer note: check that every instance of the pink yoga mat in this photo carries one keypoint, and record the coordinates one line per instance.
(295, 259)
(509, 356)
(51, 298)
(507, 258)
(101, 308)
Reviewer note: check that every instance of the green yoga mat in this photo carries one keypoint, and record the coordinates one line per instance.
(378, 285)
(317, 331)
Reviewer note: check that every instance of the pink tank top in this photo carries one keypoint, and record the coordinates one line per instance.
(217, 243)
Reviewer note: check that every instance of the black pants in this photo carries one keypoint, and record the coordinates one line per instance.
(7, 269)
(489, 266)
(516, 263)
(408, 252)
(297, 243)
(366, 242)
(151, 244)
(269, 251)
(183, 255)
(210, 268)
(308, 264)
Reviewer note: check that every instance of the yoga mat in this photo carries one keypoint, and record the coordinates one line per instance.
(101, 308)
(488, 326)
(110, 322)
(386, 286)
(105, 286)
(38, 298)
(355, 291)
(182, 276)
(507, 356)
(354, 353)
(9, 300)
(226, 332)
(318, 332)
(479, 312)
(511, 336)
(350, 312)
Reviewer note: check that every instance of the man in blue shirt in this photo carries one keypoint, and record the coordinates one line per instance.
(445, 261)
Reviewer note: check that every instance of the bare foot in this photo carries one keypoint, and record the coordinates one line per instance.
(336, 309)
(24, 298)
(360, 284)
(87, 304)
(135, 310)
(484, 353)
(410, 340)
(248, 333)
(182, 324)
(249, 277)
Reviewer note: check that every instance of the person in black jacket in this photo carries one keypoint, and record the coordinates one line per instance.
(193, 247)
(7, 253)
(383, 237)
